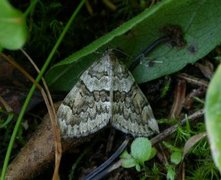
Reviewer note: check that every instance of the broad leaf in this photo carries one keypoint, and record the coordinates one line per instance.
(141, 149)
(13, 32)
(199, 20)
(213, 116)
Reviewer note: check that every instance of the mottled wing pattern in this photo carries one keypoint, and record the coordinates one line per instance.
(131, 112)
(106, 92)
(87, 107)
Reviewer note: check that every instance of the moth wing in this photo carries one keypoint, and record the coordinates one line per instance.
(131, 111)
(87, 107)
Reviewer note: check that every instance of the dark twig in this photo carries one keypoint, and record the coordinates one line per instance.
(193, 80)
(172, 129)
(179, 99)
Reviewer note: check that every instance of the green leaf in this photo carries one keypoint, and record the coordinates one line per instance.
(170, 172)
(127, 160)
(213, 116)
(125, 155)
(128, 163)
(176, 157)
(13, 32)
(138, 168)
(141, 149)
(171, 147)
(199, 20)
(153, 153)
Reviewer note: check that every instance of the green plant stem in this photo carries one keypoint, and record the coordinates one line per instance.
(27, 100)
(30, 8)
(8, 120)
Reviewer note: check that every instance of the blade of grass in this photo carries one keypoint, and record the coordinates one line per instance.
(27, 100)
(8, 120)
(31, 7)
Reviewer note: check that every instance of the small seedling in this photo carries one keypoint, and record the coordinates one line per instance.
(176, 158)
(141, 151)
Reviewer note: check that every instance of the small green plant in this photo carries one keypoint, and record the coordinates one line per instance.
(175, 158)
(165, 88)
(5, 121)
(171, 172)
(141, 151)
(183, 133)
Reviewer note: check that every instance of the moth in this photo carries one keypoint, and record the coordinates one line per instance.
(106, 93)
